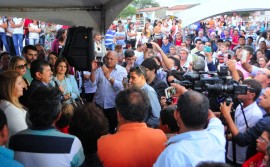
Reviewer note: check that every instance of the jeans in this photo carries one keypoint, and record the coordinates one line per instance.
(11, 46)
(110, 47)
(42, 40)
(4, 41)
(33, 41)
(18, 43)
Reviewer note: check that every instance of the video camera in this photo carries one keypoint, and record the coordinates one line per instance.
(212, 84)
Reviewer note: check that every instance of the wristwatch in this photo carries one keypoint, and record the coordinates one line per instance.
(109, 78)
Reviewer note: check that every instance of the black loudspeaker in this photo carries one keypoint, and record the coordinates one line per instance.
(79, 48)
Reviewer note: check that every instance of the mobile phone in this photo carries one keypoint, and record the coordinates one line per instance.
(207, 49)
(99, 61)
(244, 56)
(126, 79)
(149, 45)
(169, 92)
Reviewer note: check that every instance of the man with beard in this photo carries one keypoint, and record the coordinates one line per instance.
(30, 54)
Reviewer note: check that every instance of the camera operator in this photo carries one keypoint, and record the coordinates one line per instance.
(247, 115)
(249, 137)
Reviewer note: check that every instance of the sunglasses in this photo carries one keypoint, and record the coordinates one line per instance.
(21, 66)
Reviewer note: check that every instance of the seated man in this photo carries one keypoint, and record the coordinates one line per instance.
(42, 145)
(41, 73)
(134, 144)
(6, 155)
(194, 143)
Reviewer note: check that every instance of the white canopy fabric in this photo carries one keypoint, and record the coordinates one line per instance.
(216, 7)
(98, 14)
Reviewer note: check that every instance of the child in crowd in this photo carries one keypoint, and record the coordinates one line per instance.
(63, 123)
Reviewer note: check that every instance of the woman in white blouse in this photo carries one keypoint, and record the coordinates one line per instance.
(34, 30)
(11, 88)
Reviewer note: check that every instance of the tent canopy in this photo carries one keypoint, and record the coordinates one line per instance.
(98, 14)
(212, 8)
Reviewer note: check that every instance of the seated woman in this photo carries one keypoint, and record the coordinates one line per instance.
(66, 82)
(52, 57)
(11, 88)
(18, 63)
(89, 124)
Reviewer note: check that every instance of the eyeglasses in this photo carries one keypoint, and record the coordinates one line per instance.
(21, 66)
(261, 139)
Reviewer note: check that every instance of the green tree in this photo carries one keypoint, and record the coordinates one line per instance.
(140, 4)
(128, 11)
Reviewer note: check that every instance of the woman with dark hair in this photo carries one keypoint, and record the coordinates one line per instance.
(89, 124)
(59, 41)
(262, 37)
(131, 35)
(11, 88)
(52, 57)
(157, 33)
(66, 82)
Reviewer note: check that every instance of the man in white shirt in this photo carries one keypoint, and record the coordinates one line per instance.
(17, 36)
(247, 118)
(3, 26)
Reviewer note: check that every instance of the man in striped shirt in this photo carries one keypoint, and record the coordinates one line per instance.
(109, 38)
(41, 144)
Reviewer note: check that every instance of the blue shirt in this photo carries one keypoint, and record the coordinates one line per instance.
(70, 86)
(166, 49)
(109, 37)
(227, 39)
(47, 147)
(6, 158)
(190, 148)
(120, 41)
(254, 72)
(153, 120)
(106, 92)
(203, 38)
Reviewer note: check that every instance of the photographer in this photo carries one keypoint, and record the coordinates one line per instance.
(247, 115)
(249, 137)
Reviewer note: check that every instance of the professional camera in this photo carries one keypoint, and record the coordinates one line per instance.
(213, 84)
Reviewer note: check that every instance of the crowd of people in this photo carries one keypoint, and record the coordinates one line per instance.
(126, 118)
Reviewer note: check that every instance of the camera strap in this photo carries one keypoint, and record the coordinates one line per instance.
(242, 109)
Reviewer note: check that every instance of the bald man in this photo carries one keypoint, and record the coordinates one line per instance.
(108, 79)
